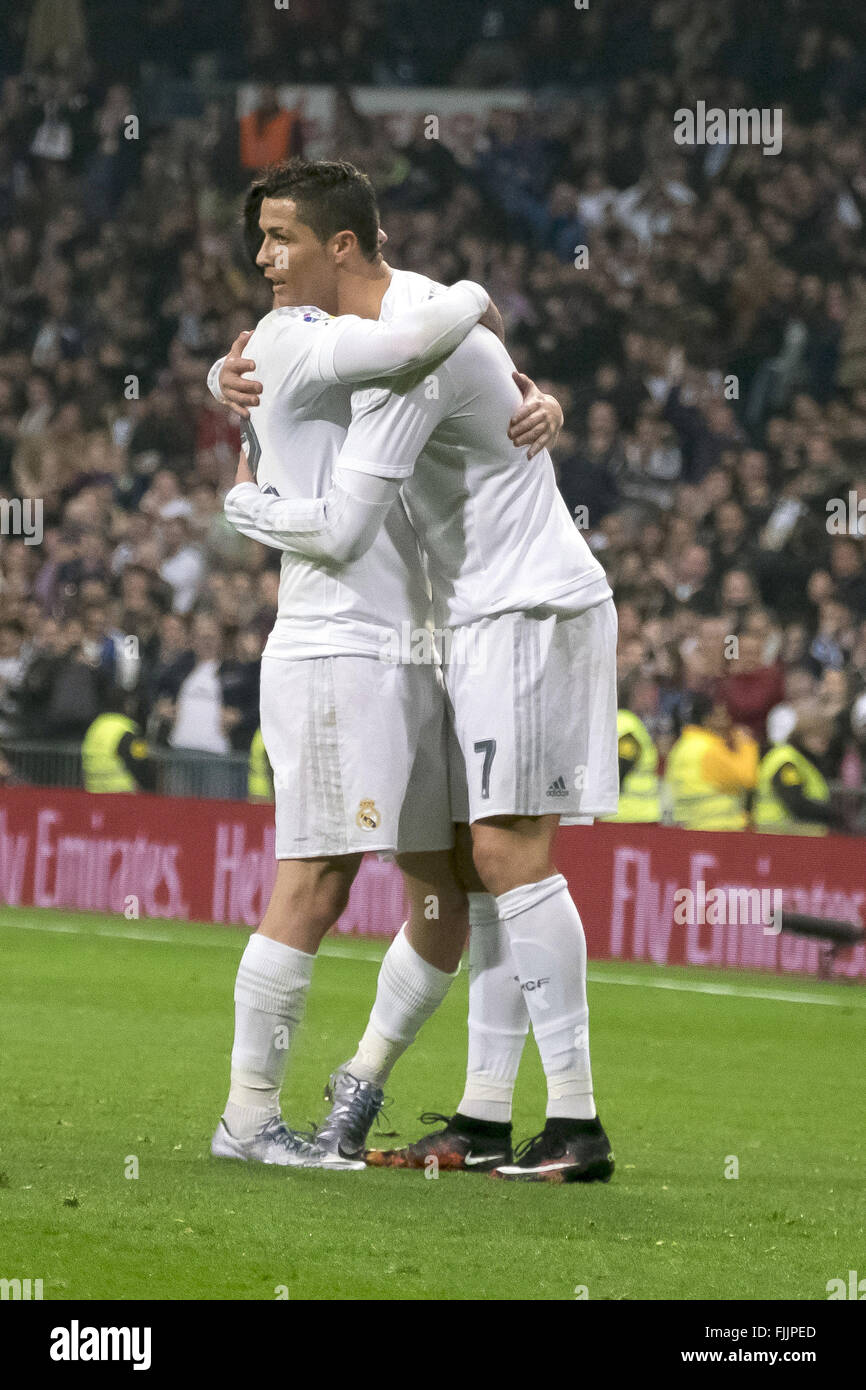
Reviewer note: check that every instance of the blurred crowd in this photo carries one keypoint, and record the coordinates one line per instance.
(699, 312)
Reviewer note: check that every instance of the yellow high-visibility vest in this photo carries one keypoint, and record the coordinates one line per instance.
(260, 778)
(639, 792)
(771, 814)
(103, 769)
(697, 803)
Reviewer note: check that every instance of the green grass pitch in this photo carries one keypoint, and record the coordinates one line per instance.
(115, 1044)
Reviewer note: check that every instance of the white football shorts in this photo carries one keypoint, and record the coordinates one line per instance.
(359, 752)
(533, 702)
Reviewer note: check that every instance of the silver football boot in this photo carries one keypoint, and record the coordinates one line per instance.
(354, 1106)
(275, 1143)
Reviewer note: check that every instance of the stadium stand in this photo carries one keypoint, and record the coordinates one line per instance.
(699, 311)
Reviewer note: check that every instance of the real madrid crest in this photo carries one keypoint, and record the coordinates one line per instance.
(368, 817)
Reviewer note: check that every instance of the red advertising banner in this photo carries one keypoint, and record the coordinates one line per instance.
(630, 883)
(645, 892)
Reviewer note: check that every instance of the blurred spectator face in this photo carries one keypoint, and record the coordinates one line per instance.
(819, 586)
(719, 418)
(175, 535)
(794, 643)
(95, 622)
(93, 591)
(38, 392)
(206, 638)
(51, 637)
(719, 721)
(629, 657)
(68, 419)
(846, 558)
(32, 617)
(601, 420)
(651, 538)
(10, 641)
(690, 502)
(164, 488)
(149, 555)
(242, 586)
(90, 549)
(819, 452)
(800, 684)
(249, 645)
(753, 466)
(738, 589)
(681, 533)
(204, 500)
(760, 623)
(135, 589)
(631, 570)
(694, 565)
(833, 690)
(269, 588)
(172, 633)
(711, 641)
(716, 486)
(814, 728)
(730, 521)
(834, 618)
(629, 621)
(72, 636)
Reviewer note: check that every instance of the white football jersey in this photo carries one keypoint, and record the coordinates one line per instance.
(497, 534)
(293, 438)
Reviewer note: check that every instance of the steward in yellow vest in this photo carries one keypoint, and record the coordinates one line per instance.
(260, 778)
(638, 771)
(793, 796)
(115, 756)
(710, 770)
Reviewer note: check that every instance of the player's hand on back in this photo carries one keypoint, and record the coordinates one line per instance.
(240, 392)
(537, 422)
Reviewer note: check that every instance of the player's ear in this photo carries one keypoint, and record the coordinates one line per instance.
(343, 244)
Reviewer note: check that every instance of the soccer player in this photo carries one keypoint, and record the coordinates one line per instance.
(534, 721)
(356, 744)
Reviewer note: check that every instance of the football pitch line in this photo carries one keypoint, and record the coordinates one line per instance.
(336, 951)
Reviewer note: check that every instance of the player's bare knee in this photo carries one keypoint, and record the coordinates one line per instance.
(318, 889)
(504, 859)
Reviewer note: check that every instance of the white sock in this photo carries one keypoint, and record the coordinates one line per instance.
(408, 992)
(549, 946)
(270, 994)
(498, 1019)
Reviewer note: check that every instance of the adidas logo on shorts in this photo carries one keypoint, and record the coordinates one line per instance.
(558, 788)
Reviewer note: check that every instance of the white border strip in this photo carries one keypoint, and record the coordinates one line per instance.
(337, 950)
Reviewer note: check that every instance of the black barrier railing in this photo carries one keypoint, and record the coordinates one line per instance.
(179, 771)
(187, 772)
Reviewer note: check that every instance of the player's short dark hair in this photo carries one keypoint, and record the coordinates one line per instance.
(331, 196)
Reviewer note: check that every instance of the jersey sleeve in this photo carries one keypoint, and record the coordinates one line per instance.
(341, 526)
(351, 349)
(213, 381)
(389, 428)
